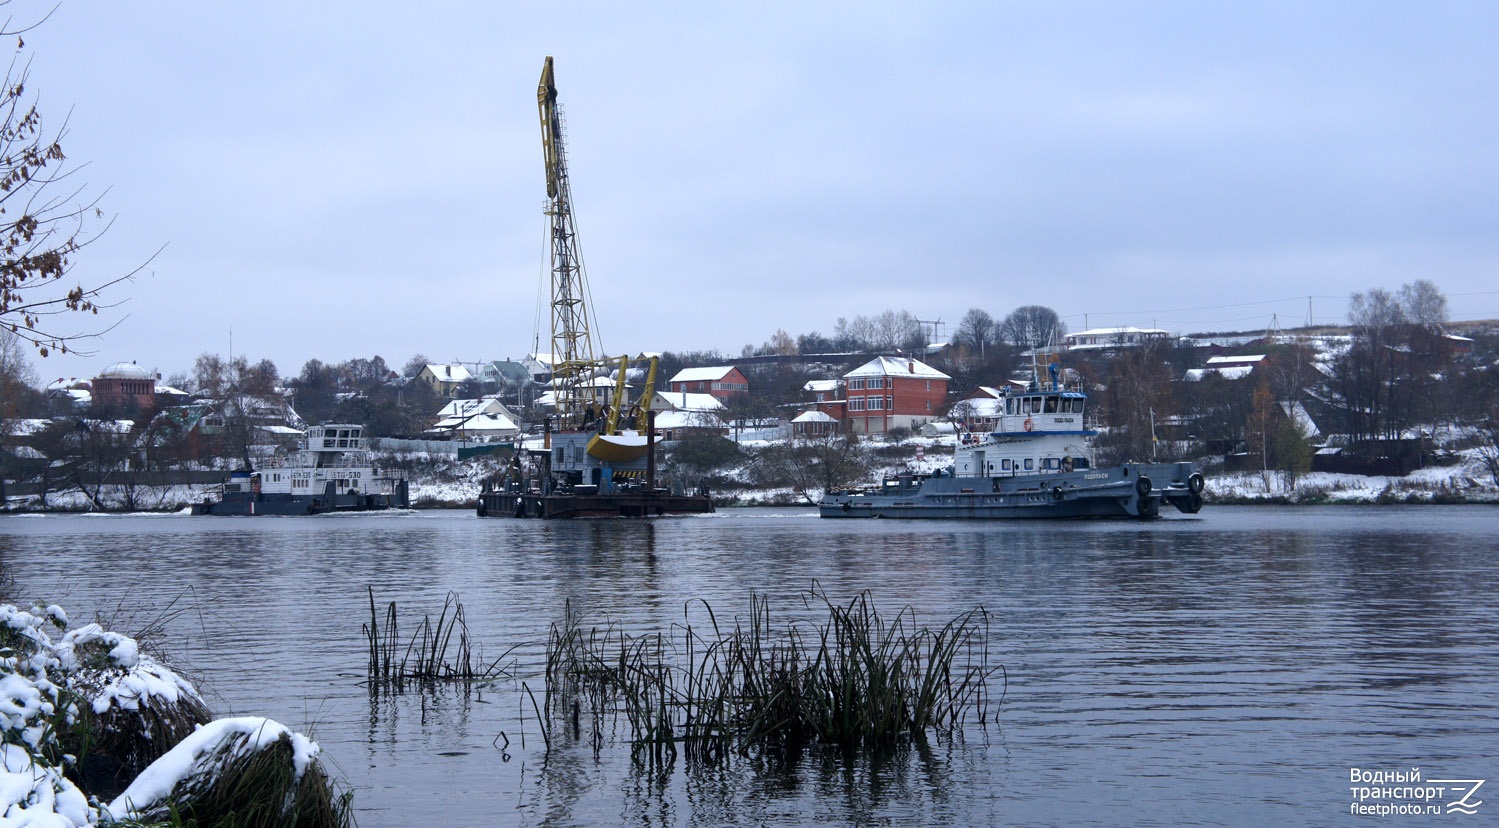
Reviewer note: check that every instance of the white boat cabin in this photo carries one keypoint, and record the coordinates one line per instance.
(334, 453)
(1038, 432)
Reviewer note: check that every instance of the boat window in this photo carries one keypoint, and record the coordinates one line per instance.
(1029, 464)
(1051, 405)
(1010, 406)
(1004, 465)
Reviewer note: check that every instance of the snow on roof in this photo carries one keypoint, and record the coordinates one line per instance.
(281, 429)
(702, 374)
(687, 401)
(484, 421)
(1298, 415)
(1118, 332)
(687, 419)
(449, 373)
(126, 370)
(884, 366)
(464, 408)
(821, 385)
(1250, 359)
(815, 417)
(979, 407)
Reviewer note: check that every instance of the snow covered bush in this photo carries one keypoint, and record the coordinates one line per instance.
(82, 714)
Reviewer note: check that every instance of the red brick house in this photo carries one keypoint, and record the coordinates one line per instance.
(893, 392)
(723, 382)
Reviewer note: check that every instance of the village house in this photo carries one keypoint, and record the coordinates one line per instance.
(444, 379)
(811, 425)
(680, 414)
(485, 419)
(1227, 367)
(1100, 339)
(723, 382)
(893, 392)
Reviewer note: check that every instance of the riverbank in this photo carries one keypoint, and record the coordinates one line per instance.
(456, 485)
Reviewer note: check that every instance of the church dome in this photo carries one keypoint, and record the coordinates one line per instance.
(126, 370)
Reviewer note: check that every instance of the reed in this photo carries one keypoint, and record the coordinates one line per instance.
(436, 651)
(856, 680)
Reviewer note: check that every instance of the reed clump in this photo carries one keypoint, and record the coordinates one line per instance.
(857, 679)
(436, 651)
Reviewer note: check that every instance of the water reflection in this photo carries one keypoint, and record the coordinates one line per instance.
(1222, 669)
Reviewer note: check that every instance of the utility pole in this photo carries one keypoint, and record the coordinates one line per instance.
(926, 350)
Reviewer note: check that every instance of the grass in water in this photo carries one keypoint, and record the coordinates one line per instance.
(440, 651)
(856, 680)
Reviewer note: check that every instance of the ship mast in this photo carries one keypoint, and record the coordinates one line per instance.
(572, 343)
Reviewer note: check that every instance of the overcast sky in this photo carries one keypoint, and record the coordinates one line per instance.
(339, 180)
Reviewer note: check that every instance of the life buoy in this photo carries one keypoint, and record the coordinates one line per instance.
(1195, 483)
(1029, 424)
(1067, 464)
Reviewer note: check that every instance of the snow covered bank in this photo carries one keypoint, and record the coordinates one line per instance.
(77, 711)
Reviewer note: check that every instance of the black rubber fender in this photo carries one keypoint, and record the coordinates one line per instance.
(1142, 486)
(1195, 483)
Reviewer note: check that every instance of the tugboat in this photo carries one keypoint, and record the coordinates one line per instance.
(1036, 463)
(593, 464)
(330, 472)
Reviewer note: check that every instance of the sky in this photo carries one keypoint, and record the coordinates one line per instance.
(337, 180)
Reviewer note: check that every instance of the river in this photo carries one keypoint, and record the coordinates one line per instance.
(1234, 668)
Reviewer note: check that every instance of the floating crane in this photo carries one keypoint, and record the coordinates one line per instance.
(575, 364)
(589, 468)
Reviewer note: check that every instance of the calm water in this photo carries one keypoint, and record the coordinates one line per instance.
(1228, 669)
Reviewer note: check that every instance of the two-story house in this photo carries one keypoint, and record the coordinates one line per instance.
(723, 382)
(893, 392)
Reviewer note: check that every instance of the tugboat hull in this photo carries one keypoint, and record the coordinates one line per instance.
(250, 504)
(1132, 490)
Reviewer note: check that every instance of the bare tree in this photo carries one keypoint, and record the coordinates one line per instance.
(1423, 304)
(1032, 326)
(975, 331)
(44, 222)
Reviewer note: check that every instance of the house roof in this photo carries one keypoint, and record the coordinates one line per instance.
(815, 417)
(686, 401)
(1118, 332)
(1249, 359)
(702, 374)
(449, 373)
(483, 421)
(688, 419)
(821, 385)
(884, 366)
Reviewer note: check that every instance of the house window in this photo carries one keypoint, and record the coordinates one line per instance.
(928, 406)
(928, 385)
(856, 385)
(855, 403)
(876, 403)
(876, 382)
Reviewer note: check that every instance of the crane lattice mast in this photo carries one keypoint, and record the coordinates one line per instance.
(572, 343)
